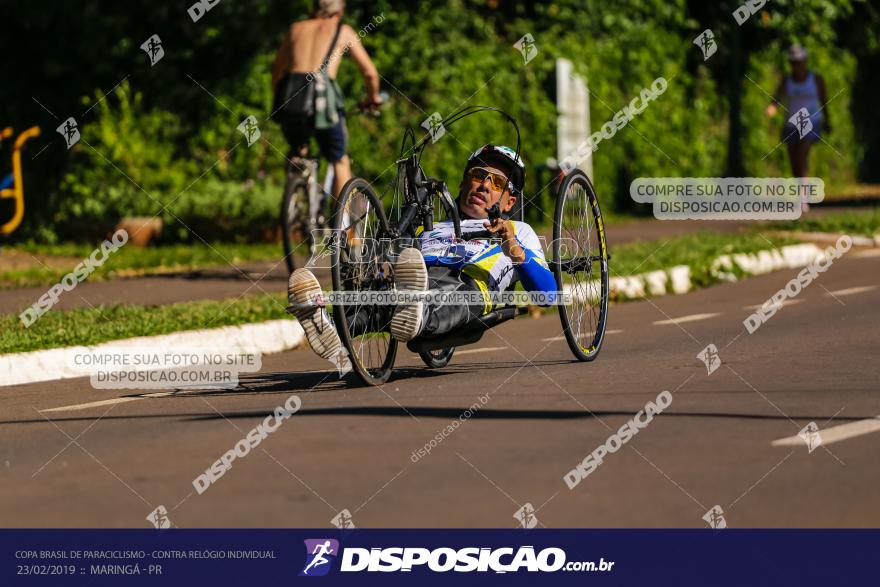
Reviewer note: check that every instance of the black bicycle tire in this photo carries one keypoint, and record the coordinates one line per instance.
(437, 359)
(288, 224)
(591, 352)
(381, 374)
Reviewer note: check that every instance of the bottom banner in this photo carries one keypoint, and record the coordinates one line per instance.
(484, 557)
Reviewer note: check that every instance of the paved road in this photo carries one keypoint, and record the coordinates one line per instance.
(110, 464)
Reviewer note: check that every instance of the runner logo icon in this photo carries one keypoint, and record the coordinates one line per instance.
(320, 553)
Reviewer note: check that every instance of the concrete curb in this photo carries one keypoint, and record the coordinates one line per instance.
(264, 338)
(677, 280)
(832, 237)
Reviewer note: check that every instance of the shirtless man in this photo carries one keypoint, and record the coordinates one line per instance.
(302, 50)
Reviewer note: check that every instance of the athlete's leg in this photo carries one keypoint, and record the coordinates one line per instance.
(440, 318)
(437, 316)
(302, 290)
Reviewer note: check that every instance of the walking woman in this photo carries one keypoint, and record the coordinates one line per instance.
(803, 96)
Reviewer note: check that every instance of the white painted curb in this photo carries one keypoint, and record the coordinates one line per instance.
(833, 237)
(263, 338)
(677, 280)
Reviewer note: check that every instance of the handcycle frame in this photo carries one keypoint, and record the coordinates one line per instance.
(419, 193)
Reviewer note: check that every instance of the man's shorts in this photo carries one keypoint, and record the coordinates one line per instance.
(332, 142)
(790, 134)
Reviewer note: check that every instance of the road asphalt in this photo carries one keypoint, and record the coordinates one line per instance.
(107, 458)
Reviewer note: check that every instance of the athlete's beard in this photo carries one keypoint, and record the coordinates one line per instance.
(461, 213)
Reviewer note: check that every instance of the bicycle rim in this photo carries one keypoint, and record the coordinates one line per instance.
(359, 265)
(580, 265)
(291, 223)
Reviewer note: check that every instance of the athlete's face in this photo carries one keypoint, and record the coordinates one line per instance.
(475, 196)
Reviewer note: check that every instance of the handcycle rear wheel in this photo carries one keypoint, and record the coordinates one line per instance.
(359, 264)
(580, 264)
(438, 358)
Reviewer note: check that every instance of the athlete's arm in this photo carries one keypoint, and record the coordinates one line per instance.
(535, 276)
(524, 249)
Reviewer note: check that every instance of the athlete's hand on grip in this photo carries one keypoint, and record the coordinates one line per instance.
(509, 245)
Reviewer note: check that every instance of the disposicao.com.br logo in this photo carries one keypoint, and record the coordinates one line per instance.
(320, 553)
(442, 560)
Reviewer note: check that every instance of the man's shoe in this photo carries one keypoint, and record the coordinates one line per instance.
(304, 294)
(410, 275)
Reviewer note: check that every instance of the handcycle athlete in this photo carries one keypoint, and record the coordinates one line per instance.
(493, 179)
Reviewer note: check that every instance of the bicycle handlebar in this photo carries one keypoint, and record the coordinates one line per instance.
(478, 234)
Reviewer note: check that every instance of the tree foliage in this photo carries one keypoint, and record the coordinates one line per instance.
(163, 139)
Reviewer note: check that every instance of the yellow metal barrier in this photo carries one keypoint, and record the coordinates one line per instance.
(17, 190)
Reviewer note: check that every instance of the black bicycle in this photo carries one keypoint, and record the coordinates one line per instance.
(366, 241)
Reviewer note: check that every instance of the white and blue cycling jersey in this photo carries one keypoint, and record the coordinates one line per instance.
(485, 262)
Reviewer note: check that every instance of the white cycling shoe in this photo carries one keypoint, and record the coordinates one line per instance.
(410, 275)
(303, 294)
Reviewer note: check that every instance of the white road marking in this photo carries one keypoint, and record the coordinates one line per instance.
(471, 351)
(779, 305)
(483, 350)
(851, 291)
(107, 402)
(836, 433)
(875, 252)
(690, 318)
(558, 338)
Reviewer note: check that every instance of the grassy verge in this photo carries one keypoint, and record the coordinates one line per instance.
(863, 222)
(130, 261)
(95, 325)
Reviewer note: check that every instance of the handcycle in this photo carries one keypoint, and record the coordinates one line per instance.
(364, 263)
(306, 206)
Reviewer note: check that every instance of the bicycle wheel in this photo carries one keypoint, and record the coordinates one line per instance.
(437, 359)
(360, 264)
(580, 264)
(293, 209)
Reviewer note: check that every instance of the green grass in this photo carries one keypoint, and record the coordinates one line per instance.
(130, 260)
(695, 250)
(92, 326)
(863, 222)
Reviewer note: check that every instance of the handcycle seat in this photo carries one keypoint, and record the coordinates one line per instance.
(468, 333)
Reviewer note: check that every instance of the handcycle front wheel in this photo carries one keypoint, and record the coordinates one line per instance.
(580, 264)
(293, 206)
(359, 265)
